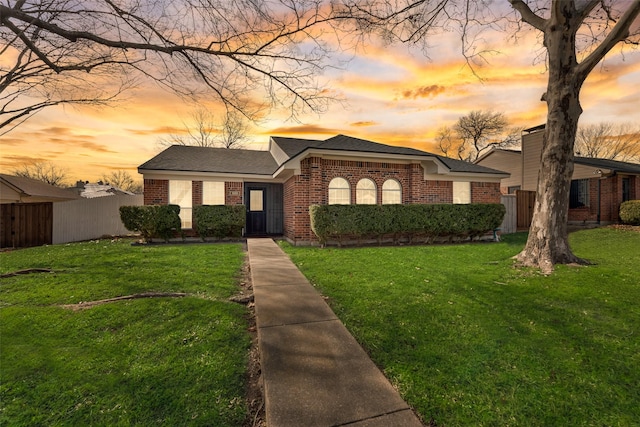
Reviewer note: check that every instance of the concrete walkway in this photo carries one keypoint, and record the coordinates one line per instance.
(314, 371)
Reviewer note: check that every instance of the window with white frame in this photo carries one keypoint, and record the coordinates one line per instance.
(180, 193)
(461, 192)
(212, 193)
(366, 192)
(391, 192)
(339, 192)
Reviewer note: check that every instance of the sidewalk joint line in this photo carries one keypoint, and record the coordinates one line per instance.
(373, 417)
(298, 323)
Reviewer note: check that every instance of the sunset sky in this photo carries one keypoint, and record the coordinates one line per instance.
(391, 95)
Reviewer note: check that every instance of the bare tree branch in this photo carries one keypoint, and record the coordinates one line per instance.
(204, 130)
(43, 171)
(236, 50)
(619, 32)
(609, 141)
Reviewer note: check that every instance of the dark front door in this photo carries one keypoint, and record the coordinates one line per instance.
(256, 211)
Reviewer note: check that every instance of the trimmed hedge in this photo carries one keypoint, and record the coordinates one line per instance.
(219, 221)
(630, 212)
(152, 221)
(427, 221)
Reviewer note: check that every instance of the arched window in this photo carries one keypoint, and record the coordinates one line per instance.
(391, 192)
(366, 192)
(339, 192)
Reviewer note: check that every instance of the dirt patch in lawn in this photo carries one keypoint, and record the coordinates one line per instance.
(88, 304)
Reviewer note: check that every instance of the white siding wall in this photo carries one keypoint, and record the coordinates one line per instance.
(531, 152)
(506, 161)
(87, 219)
(587, 172)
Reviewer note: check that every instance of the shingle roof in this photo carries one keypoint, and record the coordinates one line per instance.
(206, 159)
(462, 166)
(35, 188)
(624, 167)
(614, 165)
(293, 146)
(222, 160)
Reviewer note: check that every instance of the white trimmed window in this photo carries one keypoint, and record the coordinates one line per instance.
(461, 192)
(180, 193)
(366, 192)
(339, 192)
(212, 193)
(391, 192)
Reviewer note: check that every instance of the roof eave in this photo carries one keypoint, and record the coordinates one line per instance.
(294, 162)
(211, 174)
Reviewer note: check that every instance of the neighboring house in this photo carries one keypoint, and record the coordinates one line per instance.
(279, 185)
(90, 190)
(598, 186)
(26, 210)
(17, 189)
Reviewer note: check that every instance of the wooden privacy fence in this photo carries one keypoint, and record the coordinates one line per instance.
(86, 219)
(525, 201)
(35, 224)
(26, 224)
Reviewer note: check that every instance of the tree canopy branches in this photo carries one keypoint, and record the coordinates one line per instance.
(251, 55)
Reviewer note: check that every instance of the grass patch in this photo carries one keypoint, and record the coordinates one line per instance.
(169, 361)
(470, 340)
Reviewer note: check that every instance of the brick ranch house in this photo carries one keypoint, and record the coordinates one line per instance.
(278, 185)
(598, 186)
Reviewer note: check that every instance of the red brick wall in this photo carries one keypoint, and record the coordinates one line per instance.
(485, 192)
(311, 187)
(610, 199)
(156, 192)
(233, 193)
(196, 193)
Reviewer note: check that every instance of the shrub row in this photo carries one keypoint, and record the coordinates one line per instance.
(158, 221)
(630, 212)
(219, 220)
(428, 221)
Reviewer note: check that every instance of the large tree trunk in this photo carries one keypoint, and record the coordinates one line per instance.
(548, 242)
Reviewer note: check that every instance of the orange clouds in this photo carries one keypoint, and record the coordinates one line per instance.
(424, 92)
(302, 130)
(161, 130)
(366, 123)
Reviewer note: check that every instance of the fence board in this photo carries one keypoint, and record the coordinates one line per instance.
(525, 201)
(26, 224)
(86, 219)
(509, 223)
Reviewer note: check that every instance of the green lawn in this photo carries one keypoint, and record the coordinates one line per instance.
(470, 340)
(168, 361)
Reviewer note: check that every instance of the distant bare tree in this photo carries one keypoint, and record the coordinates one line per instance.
(475, 134)
(233, 132)
(200, 132)
(69, 51)
(205, 131)
(123, 180)
(43, 171)
(609, 141)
